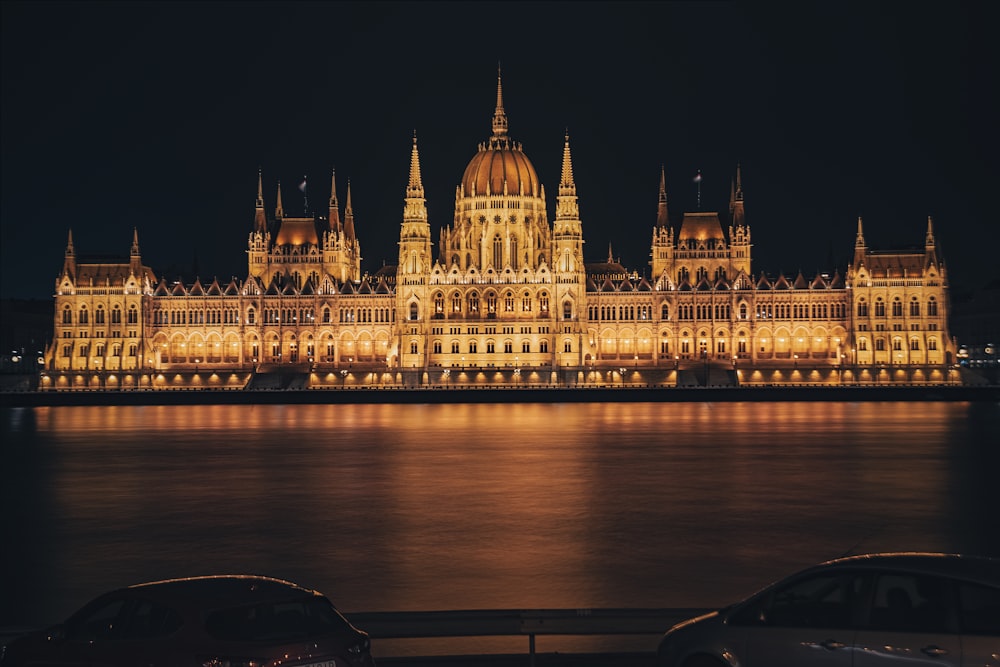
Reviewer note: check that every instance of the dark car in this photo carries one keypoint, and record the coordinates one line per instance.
(898, 610)
(214, 621)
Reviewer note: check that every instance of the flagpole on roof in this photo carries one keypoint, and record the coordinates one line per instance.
(305, 195)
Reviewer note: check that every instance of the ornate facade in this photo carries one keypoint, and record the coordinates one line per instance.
(507, 299)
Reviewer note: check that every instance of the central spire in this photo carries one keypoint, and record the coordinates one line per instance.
(499, 117)
(499, 140)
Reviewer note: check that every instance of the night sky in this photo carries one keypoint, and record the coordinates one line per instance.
(157, 117)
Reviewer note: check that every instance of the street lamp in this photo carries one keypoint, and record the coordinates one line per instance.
(447, 374)
(621, 371)
(343, 378)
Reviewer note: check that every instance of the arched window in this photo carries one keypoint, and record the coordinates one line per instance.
(879, 307)
(665, 312)
(497, 252)
(914, 307)
(413, 311)
(567, 310)
(932, 307)
(897, 307)
(439, 305)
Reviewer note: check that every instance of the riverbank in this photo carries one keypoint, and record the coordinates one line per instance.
(503, 395)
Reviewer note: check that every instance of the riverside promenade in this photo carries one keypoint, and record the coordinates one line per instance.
(501, 395)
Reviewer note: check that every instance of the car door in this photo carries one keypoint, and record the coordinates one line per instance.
(807, 621)
(979, 622)
(911, 621)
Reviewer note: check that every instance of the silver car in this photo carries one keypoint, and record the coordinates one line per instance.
(894, 609)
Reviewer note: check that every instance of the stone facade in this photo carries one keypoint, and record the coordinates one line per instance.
(507, 299)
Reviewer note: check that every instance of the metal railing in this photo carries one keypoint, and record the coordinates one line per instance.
(514, 622)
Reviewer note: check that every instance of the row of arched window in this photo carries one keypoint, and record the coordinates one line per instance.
(100, 316)
(897, 308)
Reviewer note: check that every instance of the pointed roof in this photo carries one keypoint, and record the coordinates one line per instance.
(279, 212)
(259, 218)
(415, 188)
(349, 215)
(662, 217)
(499, 117)
(567, 186)
(736, 211)
(701, 227)
(334, 213)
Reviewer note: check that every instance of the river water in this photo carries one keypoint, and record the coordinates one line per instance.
(484, 506)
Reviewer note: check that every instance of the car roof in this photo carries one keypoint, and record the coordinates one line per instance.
(982, 569)
(215, 591)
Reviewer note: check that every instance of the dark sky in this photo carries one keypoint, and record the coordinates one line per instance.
(157, 117)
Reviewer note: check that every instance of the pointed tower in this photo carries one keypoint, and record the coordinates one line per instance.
(349, 217)
(334, 207)
(930, 245)
(135, 258)
(413, 304)
(415, 230)
(341, 250)
(739, 230)
(259, 218)
(662, 250)
(567, 258)
(860, 249)
(69, 261)
(260, 238)
(279, 211)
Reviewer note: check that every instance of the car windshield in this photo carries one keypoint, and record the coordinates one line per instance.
(301, 618)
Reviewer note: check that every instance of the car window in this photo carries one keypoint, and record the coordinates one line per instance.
(149, 620)
(819, 601)
(910, 603)
(97, 622)
(291, 619)
(979, 609)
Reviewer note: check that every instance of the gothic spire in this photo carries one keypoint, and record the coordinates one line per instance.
(662, 217)
(69, 261)
(334, 213)
(499, 117)
(860, 249)
(416, 185)
(566, 201)
(736, 200)
(135, 243)
(929, 241)
(259, 218)
(566, 185)
(348, 215)
(279, 212)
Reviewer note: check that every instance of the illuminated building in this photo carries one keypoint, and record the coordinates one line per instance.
(507, 298)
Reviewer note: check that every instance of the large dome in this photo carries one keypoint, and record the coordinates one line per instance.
(498, 163)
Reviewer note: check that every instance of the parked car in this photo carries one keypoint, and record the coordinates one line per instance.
(896, 609)
(214, 621)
